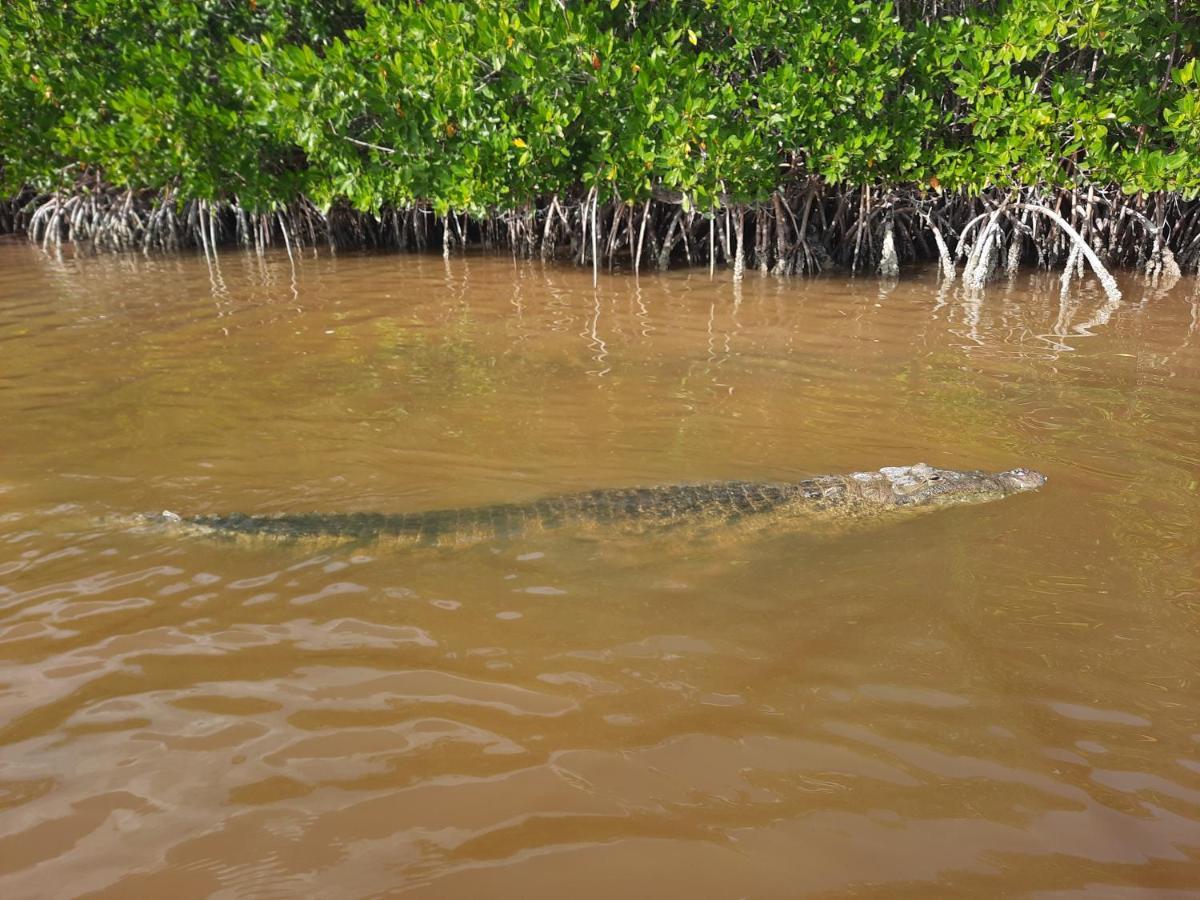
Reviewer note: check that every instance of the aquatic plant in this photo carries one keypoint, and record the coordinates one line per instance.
(780, 134)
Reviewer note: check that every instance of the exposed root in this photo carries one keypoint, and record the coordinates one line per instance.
(1106, 280)
(804, 227)
(889, 263)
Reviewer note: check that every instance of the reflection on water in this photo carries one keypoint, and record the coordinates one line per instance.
(992, 701)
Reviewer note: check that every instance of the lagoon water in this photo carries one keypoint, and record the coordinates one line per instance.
(1000, 700)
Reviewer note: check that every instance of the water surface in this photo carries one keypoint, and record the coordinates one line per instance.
(988, 701)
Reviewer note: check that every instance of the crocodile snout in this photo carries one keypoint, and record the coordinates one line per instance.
(1022, 479)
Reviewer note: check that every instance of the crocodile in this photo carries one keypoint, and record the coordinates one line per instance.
(824, 502)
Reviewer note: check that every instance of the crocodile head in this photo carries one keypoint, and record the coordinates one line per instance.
(925, 485)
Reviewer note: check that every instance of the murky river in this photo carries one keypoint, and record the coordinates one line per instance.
(988, 701)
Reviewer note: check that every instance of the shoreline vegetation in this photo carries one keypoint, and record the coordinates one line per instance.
(790, 137)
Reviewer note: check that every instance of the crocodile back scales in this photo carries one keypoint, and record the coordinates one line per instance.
(637, 509)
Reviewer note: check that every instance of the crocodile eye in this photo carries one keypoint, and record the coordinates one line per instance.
(935, 477)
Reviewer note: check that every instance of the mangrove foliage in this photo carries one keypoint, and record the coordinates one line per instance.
(789, 135)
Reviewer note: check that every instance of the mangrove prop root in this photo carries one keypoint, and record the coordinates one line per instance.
(802, 227)
(889, 263)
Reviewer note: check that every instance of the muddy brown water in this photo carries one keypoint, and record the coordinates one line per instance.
(988, 701)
